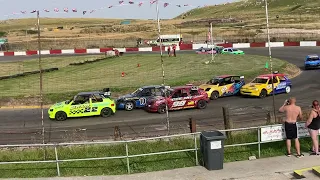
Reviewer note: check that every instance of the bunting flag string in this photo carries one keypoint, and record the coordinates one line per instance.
(120, 3)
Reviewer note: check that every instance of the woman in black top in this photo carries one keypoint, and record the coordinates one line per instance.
(313, 124)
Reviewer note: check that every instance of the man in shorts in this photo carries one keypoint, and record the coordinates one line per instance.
(290, 125)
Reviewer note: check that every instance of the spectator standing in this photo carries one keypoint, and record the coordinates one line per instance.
(174, 50)
(313, 124)
(169, 50)
(290, 125)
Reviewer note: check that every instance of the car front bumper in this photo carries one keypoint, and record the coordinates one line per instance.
(249, 92)
(151, 108)
(51, 114)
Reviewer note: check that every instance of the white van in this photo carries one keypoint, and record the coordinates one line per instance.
(167, 40)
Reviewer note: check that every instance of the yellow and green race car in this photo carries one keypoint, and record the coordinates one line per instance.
(225, 85)
(84, 104)
(261, 86)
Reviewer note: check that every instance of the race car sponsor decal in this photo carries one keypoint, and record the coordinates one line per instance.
(80, 106)
(94, 109)
(178, 103)
(282, 85)
(181, 98)
(191, 103)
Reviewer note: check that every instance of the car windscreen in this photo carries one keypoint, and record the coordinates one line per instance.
(260, 80)
(214, 81)
(136, 92)
(315, 58)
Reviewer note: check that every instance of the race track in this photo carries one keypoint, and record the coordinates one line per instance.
(24, 126)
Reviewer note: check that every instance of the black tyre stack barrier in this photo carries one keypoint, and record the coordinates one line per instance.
(90, 61)
(28, 73)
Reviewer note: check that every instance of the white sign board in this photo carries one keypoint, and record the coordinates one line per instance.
(215, 144)
(276, 132)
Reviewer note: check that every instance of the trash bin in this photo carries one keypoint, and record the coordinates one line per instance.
(211, 146)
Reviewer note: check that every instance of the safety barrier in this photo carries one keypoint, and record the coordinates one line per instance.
(265, 134)
(182, 47)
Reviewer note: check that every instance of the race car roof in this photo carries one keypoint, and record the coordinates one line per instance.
(151, 86)
(312, 55)
(89, 93)
(270, 75)
(225, 76)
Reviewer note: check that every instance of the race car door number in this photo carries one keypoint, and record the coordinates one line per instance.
(178, 103)
(143, 101)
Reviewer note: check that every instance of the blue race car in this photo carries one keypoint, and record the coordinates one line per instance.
(139, 97)
(312, 61)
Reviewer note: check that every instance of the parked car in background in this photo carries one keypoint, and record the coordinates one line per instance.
(232, 51)
(312, 62)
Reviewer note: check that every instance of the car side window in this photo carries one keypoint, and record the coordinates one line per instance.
(81, 100)
(230, 50)
(282, 78)
(157, 92)
(146, 92)
(194, 92)
(177, 94)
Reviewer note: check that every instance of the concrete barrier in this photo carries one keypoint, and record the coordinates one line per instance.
(308, 43)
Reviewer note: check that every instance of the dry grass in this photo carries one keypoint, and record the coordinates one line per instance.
(93, 32)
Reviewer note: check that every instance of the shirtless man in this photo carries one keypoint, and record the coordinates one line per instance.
(292, 113)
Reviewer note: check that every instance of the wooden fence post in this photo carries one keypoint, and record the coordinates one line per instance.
(117, 133)
(192, 125)
(228, 124)
(271, 119)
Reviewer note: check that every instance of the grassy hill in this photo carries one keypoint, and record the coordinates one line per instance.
(242, 21)
(255, 8)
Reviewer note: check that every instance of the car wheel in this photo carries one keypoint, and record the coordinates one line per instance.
(162, 109)
(61, 116)
(263, 93)
(129, 106)
(288, 89)
(214, 95)
(106, 112)
(202, 104)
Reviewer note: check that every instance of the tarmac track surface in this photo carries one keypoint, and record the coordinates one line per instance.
(24, 125)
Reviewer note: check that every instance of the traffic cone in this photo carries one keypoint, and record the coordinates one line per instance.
(122, 74)
(138, 65)
(266, 67)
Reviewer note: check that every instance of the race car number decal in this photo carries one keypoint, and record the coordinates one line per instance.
(178, 103)
(224, 89)
(143, 101)
(269, 86)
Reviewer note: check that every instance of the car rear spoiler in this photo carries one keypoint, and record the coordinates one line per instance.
(106, 92)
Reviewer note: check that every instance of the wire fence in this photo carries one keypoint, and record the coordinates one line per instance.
(58, 153)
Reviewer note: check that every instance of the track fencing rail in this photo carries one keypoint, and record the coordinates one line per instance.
(127, 156)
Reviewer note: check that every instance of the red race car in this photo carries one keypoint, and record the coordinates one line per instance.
(181, 97)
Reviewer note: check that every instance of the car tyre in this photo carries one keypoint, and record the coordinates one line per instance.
(106, 112)
(162, 109)
(61, 116)
(129, 106)
(202, 104)
(214, 95)
(288, 89)
(263, 93)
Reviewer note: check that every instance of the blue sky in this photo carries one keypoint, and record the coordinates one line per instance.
(8, 7)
